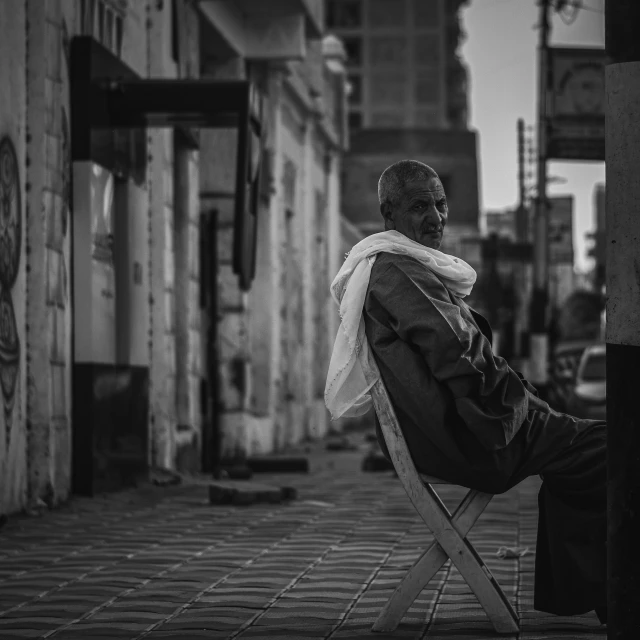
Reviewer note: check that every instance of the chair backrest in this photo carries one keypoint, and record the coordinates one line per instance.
(411, 479)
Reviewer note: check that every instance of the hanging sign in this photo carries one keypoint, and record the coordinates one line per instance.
(575, 120)
(560, 230)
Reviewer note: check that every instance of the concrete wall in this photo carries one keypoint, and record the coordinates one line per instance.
(275, 340)
(13, 258)
(264, 357)
(36, 328)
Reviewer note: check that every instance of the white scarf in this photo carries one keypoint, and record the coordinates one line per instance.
(347, 392)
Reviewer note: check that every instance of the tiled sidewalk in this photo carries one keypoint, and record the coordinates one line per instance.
(162, 563)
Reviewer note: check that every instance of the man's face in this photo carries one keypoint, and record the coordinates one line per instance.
(420, 214)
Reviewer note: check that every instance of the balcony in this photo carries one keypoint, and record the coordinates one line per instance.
(268, 31)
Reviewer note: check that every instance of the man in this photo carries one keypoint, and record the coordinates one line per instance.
(468, 418)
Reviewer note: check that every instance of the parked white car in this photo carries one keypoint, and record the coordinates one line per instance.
(588, 396)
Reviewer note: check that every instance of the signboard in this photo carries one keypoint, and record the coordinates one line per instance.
(575, 124)
(561, 230)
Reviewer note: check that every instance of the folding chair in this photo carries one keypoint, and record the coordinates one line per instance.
(449, 530)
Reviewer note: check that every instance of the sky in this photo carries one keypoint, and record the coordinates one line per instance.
(501, 53)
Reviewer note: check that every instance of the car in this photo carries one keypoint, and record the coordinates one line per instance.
(588, 395)
(562, 372)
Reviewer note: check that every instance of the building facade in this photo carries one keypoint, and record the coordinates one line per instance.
(404, 67)
(408, 99)
(126, 339)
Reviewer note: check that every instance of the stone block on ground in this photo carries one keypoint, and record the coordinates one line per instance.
(248, 493)
(278, 464)
(234, 472)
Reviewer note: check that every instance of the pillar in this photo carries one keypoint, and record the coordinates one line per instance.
(623, 307)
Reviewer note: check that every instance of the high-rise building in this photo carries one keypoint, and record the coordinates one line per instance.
(408, 100)
(404, 68)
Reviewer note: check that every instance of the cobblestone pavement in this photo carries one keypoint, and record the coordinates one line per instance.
(162, 563)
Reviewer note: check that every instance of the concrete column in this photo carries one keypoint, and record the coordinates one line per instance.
(623, 309)
(162, 393)
(217, 191)
(307, 214)
(336, 255)
(186, 435)
(265, 295)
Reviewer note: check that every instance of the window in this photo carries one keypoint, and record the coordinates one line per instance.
(101, 21)
(355, 120)
(387, 13)
(427, 86)
(353, 47)
(426, 14)
(387, 119)
(427, 117)
(104, 20)
(109, 31)
(87, 15)
(118, 34)
(387, 89)
(426, 49)
(388, 50)
(344, 14)
(175, 34)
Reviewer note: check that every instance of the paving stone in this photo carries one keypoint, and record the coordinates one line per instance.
(166, 561)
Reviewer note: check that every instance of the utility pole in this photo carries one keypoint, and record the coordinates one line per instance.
(622, 152)
(520, 268)
(522, 223)
(539, 342)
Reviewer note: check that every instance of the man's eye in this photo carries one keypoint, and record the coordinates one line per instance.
(442, 204)
(418, 207)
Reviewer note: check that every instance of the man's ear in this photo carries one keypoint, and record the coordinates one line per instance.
(387, 215)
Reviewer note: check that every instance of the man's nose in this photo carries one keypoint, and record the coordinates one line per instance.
(433, 216)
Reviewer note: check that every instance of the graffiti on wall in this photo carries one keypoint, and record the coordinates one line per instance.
(10, 246)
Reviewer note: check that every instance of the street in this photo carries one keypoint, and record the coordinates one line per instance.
(161, 562)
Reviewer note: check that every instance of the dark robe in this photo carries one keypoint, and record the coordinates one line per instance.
(470, 419)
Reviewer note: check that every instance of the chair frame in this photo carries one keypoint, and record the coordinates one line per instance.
(449, 530)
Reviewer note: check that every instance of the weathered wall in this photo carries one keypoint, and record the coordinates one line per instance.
(13, 361)
(293, 319)
(266, 294)
(217, 190)
(48, 339)
(174, 411)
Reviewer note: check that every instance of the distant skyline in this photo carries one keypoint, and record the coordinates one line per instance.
(501, 53)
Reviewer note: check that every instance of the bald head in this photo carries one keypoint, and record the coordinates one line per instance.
(396, 177)
(413, 202)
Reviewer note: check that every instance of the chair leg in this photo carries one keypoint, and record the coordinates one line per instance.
(464, 517)
(469, 564)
